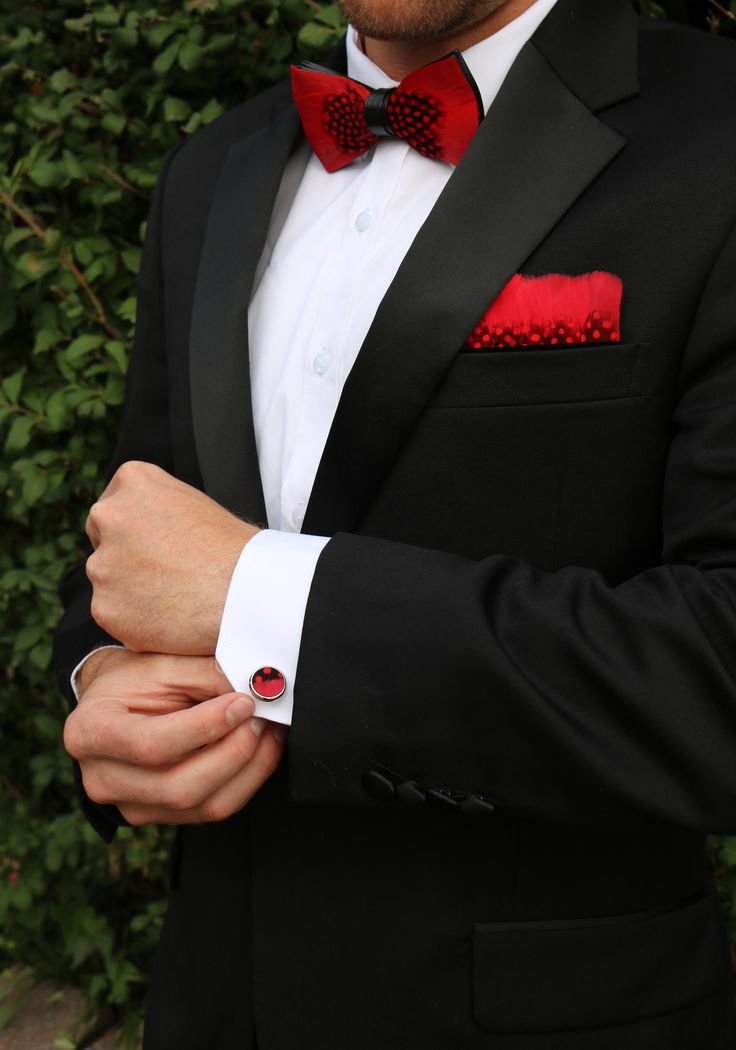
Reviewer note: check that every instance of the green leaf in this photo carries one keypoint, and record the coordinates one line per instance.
(78, 25)
(81, 346)
(128, 308)
(46, 338)
(61, 80)
(118, 353)
(211, 111)
(13, 385)
(73, 168)
(47, 174)
(176, 109)
(163, 62)
(35, 266)
(131, 259)
(219, 43)
(16, 237)
(52, 239)
(315, 37)
(190, 56)
(125, 38)
(114, 123)
(56, 410)
(108, 17)
(34, 487)
(158, 34)
(331, 16)
(45, 111)
(68, 103)
(19, 434)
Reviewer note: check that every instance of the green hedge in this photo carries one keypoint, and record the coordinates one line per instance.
(92, 95)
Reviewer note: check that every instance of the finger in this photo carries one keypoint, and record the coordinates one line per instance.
(228, 799)
(91, 528)
(109, 731)
(198, 677)
(181, 786)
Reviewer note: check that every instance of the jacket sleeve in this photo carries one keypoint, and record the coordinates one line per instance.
(144, 436)
(556, 696)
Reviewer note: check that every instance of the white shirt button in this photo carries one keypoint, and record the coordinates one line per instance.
(298, 516)
(363, 221)
(322, 361)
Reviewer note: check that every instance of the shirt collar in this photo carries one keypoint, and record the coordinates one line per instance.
(489, 60)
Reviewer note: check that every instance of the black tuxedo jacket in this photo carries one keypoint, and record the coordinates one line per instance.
(515, 714)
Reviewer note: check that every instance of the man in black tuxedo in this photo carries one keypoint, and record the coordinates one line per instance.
(515, 706)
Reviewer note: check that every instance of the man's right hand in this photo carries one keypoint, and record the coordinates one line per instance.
(166, 740)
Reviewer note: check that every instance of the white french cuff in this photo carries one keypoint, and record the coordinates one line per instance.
(262, 622)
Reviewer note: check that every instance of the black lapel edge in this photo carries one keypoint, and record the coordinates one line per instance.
(236, 231)
(593, 45)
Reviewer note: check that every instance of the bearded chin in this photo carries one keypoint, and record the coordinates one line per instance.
(409, 20)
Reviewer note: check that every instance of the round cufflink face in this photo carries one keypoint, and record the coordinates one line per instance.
(267, 683)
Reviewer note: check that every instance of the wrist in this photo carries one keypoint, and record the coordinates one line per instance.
(232, 551)
(95, 665)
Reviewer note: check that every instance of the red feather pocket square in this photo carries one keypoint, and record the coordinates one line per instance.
(553, 310)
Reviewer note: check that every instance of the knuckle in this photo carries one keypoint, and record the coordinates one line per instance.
(131, 472)
(96, 512)
(99, 612)
(95, 787)
(213, 811)
(97, 566)
(135, 816)
(178, 797)
(94, 518)
(126, 471)
(72, 736)
(90, 567)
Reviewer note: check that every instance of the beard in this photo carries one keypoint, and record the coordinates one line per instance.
(415, 19)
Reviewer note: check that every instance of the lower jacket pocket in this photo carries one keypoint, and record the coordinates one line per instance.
(594, 973)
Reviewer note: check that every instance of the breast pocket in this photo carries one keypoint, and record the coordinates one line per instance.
(497, 378)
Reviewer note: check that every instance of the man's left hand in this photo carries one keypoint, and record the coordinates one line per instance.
(164, 555)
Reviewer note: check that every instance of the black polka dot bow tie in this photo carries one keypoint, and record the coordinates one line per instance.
(436, 110)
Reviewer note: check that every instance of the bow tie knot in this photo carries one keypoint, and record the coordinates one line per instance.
(436, 110)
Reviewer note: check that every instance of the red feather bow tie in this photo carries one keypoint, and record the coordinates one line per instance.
(436, 110)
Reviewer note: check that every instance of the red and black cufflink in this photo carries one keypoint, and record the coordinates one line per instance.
(268, 684)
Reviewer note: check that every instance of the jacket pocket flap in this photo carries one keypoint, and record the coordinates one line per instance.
(593, 973)
(553, 375)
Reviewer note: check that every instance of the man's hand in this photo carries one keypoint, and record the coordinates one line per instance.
(164, 556)
(154, 736)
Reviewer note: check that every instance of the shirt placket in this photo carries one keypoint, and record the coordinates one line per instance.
(330, 354)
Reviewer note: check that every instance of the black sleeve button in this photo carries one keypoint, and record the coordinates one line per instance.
(410, 792)
(443, 798)
(377, 785)
(476, 806)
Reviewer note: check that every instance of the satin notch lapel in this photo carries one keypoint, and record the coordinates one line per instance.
(219, 364)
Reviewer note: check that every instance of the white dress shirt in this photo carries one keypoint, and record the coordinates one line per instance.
(334, 246)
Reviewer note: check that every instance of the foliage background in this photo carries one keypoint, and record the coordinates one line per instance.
(92, 95)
